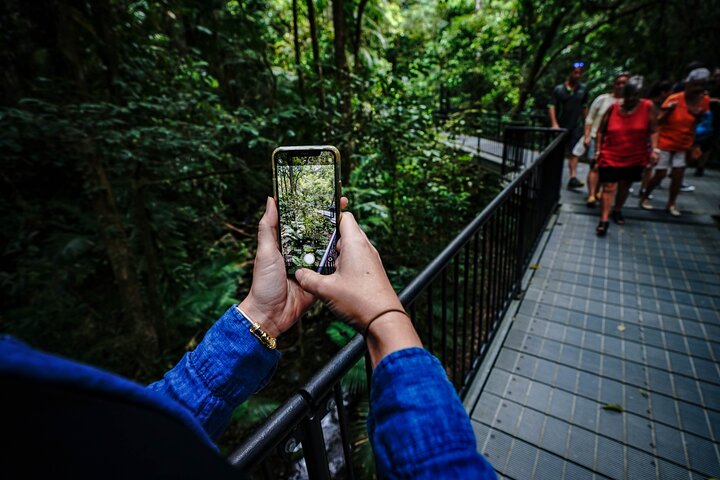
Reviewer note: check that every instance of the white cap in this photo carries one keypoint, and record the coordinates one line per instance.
(699, 74)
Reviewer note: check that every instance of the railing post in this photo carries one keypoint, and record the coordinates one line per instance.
(314, 448)
(520, 254)
(505, 152)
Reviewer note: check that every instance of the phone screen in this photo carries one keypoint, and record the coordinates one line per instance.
(305, 185)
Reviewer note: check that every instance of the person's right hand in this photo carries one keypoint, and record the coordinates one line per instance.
(359, 290)
(360, 293)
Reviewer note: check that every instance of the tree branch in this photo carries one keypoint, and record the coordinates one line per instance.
(581, 35)
(195, 176)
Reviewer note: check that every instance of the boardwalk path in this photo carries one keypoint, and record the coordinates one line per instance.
(609, 368)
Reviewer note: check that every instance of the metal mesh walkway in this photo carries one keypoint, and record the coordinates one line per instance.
(610, 367)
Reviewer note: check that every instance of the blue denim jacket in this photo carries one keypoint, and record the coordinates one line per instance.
(417, 425)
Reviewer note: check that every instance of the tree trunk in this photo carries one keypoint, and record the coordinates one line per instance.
(341, 73)
(122, 260)
(532, 77)
(358, 31)
(298, 67)
(143, 227)
(142, 334)
(316, 52)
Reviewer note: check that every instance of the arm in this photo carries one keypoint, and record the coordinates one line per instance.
(553, 119)
(590, 118)
(551, 110)
(413, 404)
(231, 363)
(227, 367)
(666, 110)
(653, 129)
(586, 135)
(602, 130)
(418, 427)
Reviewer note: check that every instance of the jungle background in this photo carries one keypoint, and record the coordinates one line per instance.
(135, 140)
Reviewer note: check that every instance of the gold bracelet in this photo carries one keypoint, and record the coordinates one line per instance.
(259, 333)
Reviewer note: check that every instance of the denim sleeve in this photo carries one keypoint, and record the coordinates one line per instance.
(418, 427)
(227, 367)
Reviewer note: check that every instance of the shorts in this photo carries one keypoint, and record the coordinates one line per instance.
(579, 150)
(671, 160)
(616, 174)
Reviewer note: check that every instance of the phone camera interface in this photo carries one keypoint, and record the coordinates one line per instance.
(306, 201)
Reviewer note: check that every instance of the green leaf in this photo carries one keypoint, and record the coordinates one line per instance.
(613, 407)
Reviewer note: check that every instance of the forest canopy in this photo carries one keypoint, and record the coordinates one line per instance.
(135, 138)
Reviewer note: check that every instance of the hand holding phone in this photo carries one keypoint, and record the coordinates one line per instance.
(307, 193)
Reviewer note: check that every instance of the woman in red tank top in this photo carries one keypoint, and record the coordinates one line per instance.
(626, 139)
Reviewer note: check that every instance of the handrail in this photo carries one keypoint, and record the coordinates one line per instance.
(419, 282)
(298, 420)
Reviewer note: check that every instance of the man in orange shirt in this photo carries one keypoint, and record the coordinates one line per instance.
(677, 119)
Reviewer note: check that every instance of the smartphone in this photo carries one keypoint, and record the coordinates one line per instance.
(307, 194)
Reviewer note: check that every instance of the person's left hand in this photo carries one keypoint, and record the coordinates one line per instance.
(275, 300)
(654, 157)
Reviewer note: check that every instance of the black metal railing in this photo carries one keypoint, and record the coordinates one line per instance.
(456, 303)
(485, 130)
(521, 145)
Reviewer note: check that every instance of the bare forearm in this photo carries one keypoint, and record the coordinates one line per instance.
(390, 333)
(553, 119)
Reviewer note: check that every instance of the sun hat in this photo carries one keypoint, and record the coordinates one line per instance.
(698, 74)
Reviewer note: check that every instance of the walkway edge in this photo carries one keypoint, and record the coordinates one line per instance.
(483, 373)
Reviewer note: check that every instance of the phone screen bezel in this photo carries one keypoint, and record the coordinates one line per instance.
(312, 151)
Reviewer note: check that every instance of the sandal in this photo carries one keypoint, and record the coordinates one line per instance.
(618, 217)
(591, 201)
(602, 228)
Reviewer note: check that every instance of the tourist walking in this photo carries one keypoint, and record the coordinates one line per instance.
(677, 120)
(592, 121)
(567, 108)
(626, 140)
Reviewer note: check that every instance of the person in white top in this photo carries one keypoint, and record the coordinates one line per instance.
(592, 121)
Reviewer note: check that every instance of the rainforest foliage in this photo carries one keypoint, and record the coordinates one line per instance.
(135, 139)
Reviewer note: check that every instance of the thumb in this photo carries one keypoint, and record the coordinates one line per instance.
(311, 282)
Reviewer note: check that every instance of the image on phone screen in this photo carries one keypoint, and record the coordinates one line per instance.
(306, 191)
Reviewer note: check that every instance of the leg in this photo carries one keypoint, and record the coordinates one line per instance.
(606, 200)
(647, 174)
(608, 195)
(677, 175)
(573, 183)
(572, 165)
(654, 182)
(593, 182)
(622, 194)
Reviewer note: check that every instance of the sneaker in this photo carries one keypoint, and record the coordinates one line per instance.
(646, 205)
(575, 183)
(672, 210)
(687, 188)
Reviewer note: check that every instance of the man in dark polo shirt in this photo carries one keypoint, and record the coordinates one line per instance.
(568, 108)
